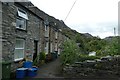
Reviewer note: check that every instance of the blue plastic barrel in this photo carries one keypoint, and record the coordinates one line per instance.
(21, 72)
(27, 64)
(32, 72)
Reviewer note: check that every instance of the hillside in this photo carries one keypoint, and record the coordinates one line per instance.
(88, 43)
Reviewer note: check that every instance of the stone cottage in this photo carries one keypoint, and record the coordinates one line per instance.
(21, 36)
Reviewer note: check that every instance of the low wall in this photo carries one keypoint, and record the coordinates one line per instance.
(105, 68)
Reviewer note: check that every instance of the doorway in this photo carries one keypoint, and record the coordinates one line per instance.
(35, 49)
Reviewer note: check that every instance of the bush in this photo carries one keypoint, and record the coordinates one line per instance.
(70, 52)
(36, 62)
(42, 56)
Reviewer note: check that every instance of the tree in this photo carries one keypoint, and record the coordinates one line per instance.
(111, 47)
(70, 52)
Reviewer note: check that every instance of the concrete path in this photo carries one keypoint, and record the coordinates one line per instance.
(50, 70)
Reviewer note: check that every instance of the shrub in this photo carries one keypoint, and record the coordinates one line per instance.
(70, 52)
(36, 61)
(42, 56)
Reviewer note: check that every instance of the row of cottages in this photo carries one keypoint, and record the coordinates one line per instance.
(27, 31)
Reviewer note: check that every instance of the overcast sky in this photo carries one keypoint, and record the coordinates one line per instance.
(97, 17)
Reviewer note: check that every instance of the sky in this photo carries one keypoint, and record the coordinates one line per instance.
(97, 17)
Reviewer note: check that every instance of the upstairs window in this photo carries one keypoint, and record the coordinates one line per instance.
(22, 18)
(21, 23)
(22, 14)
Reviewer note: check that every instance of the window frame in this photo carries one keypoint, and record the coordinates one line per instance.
(56, 47)
(46, 27)
(56, 35)
(22, 13)
(20, 48)
(21, 18)
(46, 31)
(46, 47)
(24, 25)
(51, 47)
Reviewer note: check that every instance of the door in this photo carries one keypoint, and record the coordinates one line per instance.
(35, 50)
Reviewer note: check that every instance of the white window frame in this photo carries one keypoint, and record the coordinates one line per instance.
(21, 48)
(21, 20)
(51, 47)
(46, 28)
(46, 47)
(22, 13)
(56, 35)
(46, 31)
(56, 47)
(24, 25)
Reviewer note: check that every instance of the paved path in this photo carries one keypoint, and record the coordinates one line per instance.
(50, 70)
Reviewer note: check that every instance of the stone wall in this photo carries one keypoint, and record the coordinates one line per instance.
(10, 33)
(42, 37)
(108, 69)
(52, 39)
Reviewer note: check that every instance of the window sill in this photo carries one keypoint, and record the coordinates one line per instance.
(21, 29)
(17, 60)
(46, 36)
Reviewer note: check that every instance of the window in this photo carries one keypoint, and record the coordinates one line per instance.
(56, 35)
(56, 47)
(21, 23)
(46, 31)
(46, 47)
(19, 49)
(23, 14)
(51, 48)
(21, 19)
(45, 28)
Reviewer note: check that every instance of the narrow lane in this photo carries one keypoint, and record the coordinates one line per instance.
(50, 70)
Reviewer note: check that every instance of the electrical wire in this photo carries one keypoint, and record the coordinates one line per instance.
(70, 10)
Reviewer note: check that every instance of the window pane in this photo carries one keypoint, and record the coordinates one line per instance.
(22, 14)
(19, 44)
(51, 49)
(19, 53)
(18, 22)
(55, 46)
(45, 28)
(21, 23)
(46, 47)
(56, 35)
(19, 49)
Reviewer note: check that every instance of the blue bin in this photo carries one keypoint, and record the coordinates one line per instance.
(27, 64)
(21, 72)
(32, 72)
